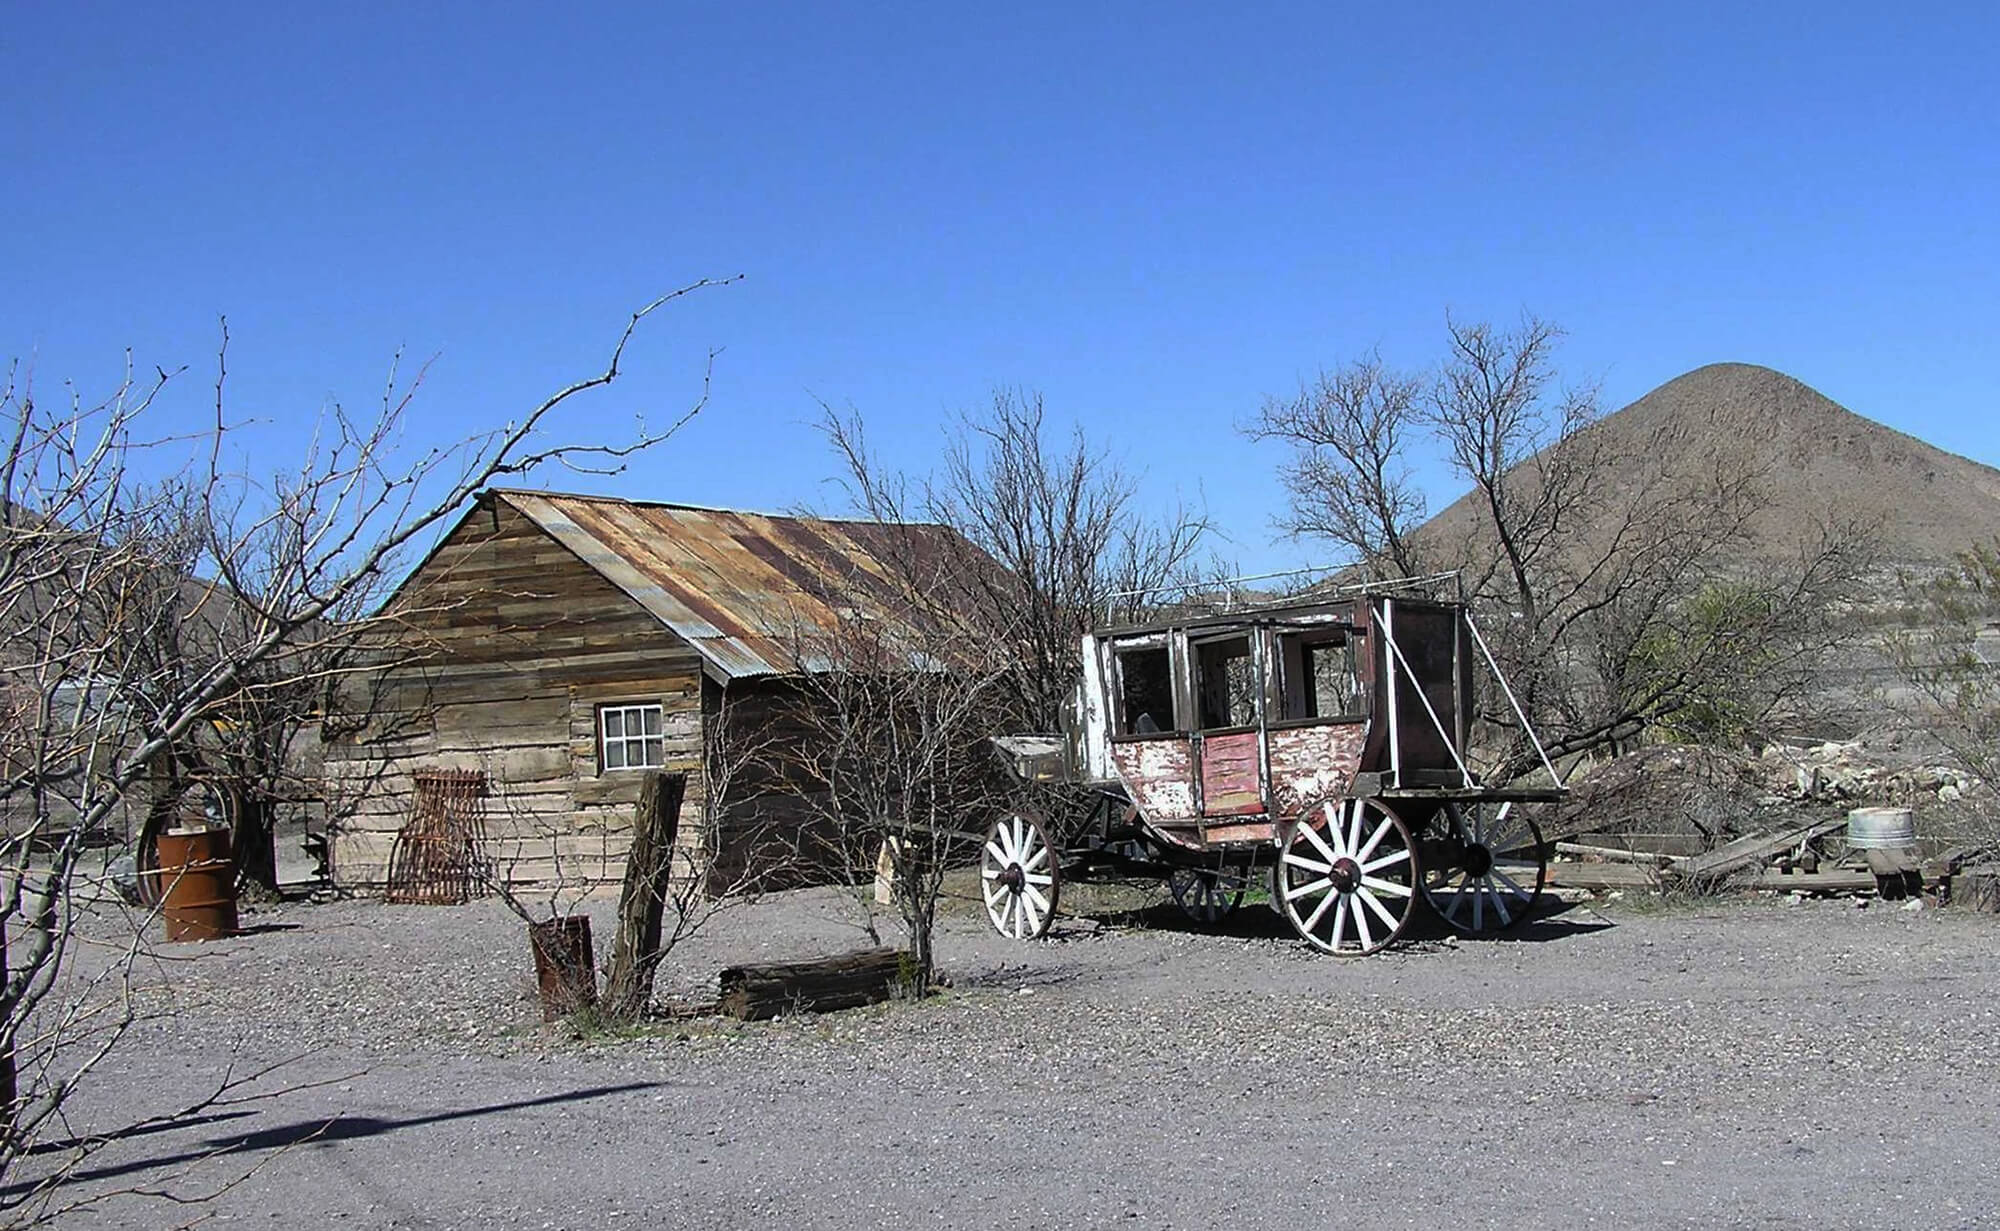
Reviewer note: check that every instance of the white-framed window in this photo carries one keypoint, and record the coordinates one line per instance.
(628, 737)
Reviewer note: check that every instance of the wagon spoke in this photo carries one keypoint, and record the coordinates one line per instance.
(1509, 881)
(1457, 898)
(1310, 865)
(1394, 857)
(1036, 860)
(1340, 920)
(1378, 885)
(1034, 916)
(1374, 903)
(1312, 836)
(1360, 920)
(998, 856)
(1499, 905)
(1387, 827)
(1298, 891)
(1037, 878)
(1319, 912)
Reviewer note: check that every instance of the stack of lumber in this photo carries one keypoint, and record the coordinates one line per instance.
(1755, 861)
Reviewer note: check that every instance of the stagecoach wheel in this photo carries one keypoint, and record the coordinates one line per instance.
(1209, 895)
(1347, 876)
(1495, 877)
(1020, 875)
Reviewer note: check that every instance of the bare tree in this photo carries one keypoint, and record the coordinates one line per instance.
(1947, 648)
(1065, 524)
(93, 705)
(1603, 562)
(1349, 478)
(892, 757)
(1001, 559)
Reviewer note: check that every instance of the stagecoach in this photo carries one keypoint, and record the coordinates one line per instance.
(1326, 743)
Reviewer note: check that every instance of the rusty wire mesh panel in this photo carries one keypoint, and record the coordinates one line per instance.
(435, 858)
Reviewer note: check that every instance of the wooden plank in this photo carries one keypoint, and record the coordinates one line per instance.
(1752, 849)
(1567, 875)
(1229, 781)
(1649, 859)
(1837, 881)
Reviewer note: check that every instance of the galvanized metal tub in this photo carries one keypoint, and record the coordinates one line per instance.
(1881, 829)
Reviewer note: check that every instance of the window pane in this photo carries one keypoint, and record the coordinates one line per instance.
(655, 752)
(1146, 691)
(614, 754)
(614, 723)
(652, 720)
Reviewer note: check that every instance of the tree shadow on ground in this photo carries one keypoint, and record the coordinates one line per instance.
(310, 1131)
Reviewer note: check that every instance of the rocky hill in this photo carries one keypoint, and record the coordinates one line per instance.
(1815, 457)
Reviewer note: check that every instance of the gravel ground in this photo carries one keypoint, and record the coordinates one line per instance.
(1750, 1063)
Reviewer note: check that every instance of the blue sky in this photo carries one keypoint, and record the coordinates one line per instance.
(1156, 215)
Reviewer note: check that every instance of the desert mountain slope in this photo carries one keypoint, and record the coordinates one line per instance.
(1817, 458)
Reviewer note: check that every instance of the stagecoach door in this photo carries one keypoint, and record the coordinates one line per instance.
(1228, 695)
(1150, 742)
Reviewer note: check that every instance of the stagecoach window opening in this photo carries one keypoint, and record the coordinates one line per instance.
(1228, 683)
(1145, 690)
(1318, 672)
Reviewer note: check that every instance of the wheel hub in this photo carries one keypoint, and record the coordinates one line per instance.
(1013, 878)
(1346, 875)
(1477, 860)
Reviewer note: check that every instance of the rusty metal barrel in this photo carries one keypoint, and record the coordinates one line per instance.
(197, 884)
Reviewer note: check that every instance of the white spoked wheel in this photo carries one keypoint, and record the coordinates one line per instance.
(1494, 876)
(1347, 876)
(1020, 876)
(1209, 895)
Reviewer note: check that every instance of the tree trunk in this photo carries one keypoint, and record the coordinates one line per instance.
(636, 953)
(10, 1085)
(256, 843)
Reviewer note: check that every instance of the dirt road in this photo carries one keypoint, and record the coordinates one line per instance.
(1751, 1064)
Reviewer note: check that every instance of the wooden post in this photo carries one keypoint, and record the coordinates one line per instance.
(636, 953)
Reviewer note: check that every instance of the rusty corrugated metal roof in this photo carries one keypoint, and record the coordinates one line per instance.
(740, 587)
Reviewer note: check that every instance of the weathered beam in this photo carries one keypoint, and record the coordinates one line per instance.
(845, 981)
(1753, 849)
(636, 953)
(1601, 876)
(1650, 859)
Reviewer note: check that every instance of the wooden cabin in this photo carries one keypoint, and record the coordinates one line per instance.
(563, 645)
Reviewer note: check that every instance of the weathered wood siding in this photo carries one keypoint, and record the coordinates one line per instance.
(507, 647)
(1312, 763)
(771, 827)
